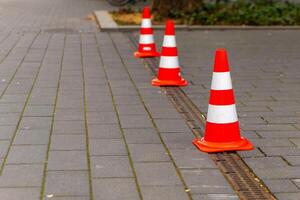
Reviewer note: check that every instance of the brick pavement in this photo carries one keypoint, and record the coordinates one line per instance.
(79, 119)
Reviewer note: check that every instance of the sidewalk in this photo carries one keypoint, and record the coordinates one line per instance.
(79, 119)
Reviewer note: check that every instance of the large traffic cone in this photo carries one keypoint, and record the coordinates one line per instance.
(169, 70)
(146, 44)
(222, 132)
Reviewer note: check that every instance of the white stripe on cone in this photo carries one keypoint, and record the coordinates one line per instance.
(169, 62)
(221, 81)
(222, 114)
(169, 41)
(146, 39)
(146, 23)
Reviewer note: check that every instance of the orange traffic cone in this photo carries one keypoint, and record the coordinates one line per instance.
(146, 44)
(222, 132)
(169, 70)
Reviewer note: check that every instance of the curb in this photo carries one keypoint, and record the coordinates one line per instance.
(106, 23)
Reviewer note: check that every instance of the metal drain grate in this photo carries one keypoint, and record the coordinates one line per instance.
(245, 183)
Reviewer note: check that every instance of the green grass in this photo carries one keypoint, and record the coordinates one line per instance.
(240, 12)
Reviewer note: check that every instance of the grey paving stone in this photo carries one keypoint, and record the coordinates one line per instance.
(7, 132)
(148, 152)
(206, 181)
(288, 196)
(67, 160)
(131, 110)
(36, 123)
(171, 125)
(66, 198)
(191, 159)
(38, 111)
(69, 114)
(68, 127)
(7, 119)
(156, 174)
(141, 136)
(30, 137)
(115, 188)
(4, 145)
(215, 197)
(265, 162)
(27, 154)
(278, 186)
(11, 107)
(22, 176)
(102, 118)
(104, 131)
(287, 172)
(135, 121)
(67, 183)
(107, 147)
(68, 142)
(293, 160)
(111, 167)
(296, 141)
(20, 193)
(164, 192)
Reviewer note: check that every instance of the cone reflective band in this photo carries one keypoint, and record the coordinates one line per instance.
(222, 132)
(146, 43)
(169, 70)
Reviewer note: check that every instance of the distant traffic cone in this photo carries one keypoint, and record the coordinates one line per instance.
(222, 132)
(169, 70)
(146, 44)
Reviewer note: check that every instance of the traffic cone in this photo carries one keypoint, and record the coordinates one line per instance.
(146, 43)
(169, 70)
(222, 132)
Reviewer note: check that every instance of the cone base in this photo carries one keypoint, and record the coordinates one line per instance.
(146, 54)
(241, 145)
(157, 82)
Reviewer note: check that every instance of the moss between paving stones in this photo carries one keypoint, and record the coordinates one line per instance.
(240, 12)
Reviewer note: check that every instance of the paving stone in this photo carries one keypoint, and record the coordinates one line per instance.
(68, 142)
(156, 174)
(68, 127)
(135, 121)
(104, 131)
(4, 145)
(293, 160)
(296, 141)
(20, 193)
(38, 111)
(67, 198)
(215, 197)
(22, 176)
(27, 154)
(206, 181)
(115, 188)
(164, 192)
(191, 159)
(141, 136)
(30, 137)
(67, 160)
(7, 119)
(265, 162)
(277, 186)
(102, 118)
(36, 123)
(148, 153)
(111, 167)
(286, 172)
(7, 132)
(131, 110)
(171, 125)
(67, 183)
(288, 196)
(107, 147)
